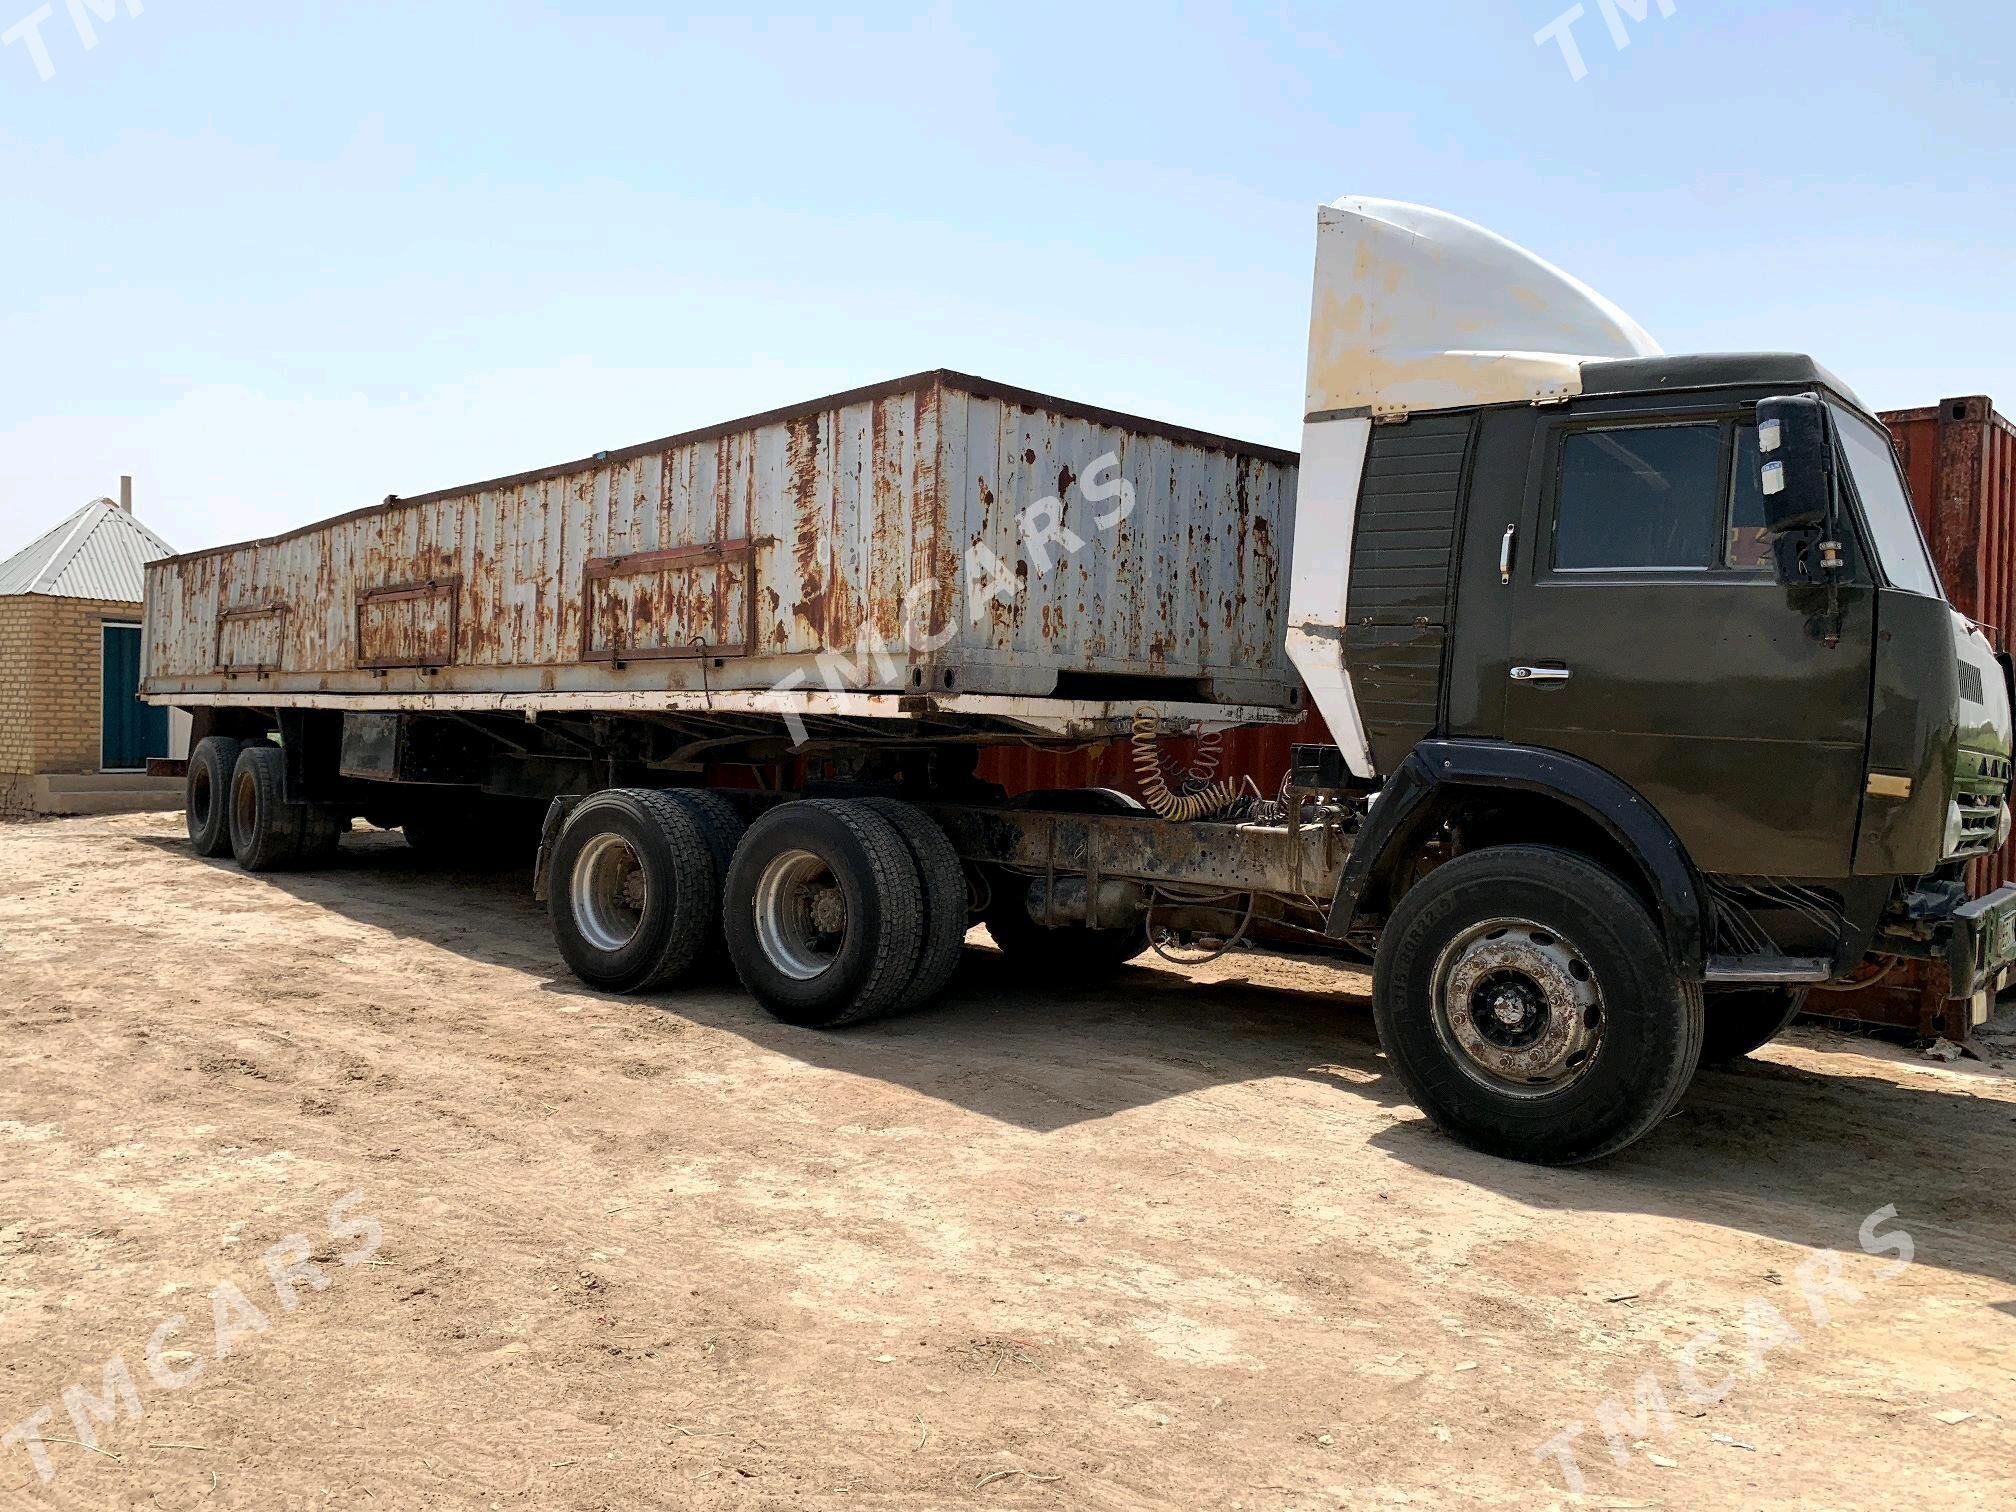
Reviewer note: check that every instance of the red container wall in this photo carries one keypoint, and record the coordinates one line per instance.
(1256, 751)
(1960, 459)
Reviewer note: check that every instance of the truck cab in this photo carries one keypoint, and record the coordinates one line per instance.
(1671, 614)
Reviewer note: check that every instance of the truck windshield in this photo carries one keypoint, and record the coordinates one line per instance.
(1886, 506)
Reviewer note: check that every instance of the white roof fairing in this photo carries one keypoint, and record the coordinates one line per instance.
(1417, 309)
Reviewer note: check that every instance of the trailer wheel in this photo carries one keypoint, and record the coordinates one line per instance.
(267, 832)
(943, 879)
(1747, 1018)
(1524, 997)
(823, 913)
(632, 894)
(206, 794)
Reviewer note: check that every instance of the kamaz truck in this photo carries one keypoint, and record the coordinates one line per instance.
(1648, 710)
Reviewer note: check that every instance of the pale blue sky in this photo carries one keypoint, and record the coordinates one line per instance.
(280, 259)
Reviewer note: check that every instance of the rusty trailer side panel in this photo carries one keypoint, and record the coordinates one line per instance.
(940, 533)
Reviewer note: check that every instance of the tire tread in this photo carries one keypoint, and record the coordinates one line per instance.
(943, 882)
(900, 889)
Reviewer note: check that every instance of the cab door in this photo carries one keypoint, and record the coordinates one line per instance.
(1648, 636)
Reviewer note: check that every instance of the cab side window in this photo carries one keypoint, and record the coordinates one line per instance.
(1641, 496)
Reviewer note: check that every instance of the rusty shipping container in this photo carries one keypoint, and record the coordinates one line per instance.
(938, 537)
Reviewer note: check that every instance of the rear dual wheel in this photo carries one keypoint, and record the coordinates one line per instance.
(831, 912)
(267, 832)
(633, 892)
(206, 794)
(838, 911)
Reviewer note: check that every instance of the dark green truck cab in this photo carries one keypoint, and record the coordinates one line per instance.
(1683, 625)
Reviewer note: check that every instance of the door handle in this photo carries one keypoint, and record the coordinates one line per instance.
(1505, 554)
(1548, 676)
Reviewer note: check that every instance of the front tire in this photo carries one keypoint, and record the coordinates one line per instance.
(1524, 997)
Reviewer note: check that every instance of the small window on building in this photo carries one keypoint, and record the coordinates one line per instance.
(1640, 496)
(1748, 545)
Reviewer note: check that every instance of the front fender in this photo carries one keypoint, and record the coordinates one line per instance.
(1433, 767)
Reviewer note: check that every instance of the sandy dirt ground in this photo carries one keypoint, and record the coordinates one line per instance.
(1174, 1242)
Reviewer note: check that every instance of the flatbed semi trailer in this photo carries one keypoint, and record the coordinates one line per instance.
(1649, 710)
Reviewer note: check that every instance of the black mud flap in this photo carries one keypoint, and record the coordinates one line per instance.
(549, 835)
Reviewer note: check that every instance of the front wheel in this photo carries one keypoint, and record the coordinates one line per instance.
(1525, 999)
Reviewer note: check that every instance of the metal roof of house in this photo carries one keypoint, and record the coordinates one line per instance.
(98, 553)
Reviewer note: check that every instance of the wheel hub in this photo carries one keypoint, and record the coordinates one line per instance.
(801, 914)
(608, 891)
(828, 910)
(1518, 1006)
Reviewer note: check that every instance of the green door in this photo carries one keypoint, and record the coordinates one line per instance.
(129, 731)
(1649, 637)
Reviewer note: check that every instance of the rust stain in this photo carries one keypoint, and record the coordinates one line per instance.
(808, 519)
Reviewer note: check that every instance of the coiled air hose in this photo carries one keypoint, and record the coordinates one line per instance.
(1199, 800)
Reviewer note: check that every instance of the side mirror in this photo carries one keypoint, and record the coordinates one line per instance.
(1795, 449)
